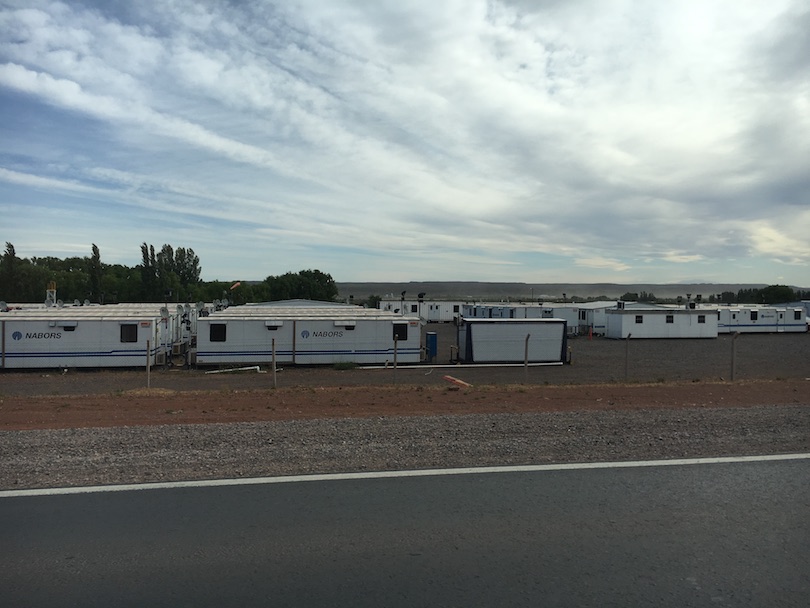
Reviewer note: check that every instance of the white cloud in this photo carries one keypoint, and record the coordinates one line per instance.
(623, 137)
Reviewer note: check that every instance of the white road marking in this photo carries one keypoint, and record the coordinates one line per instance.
(247, 481)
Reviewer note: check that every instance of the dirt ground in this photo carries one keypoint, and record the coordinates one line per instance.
(605, 374)
(98, 407)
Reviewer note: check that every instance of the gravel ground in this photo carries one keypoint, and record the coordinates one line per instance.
(54, 458)
(134, 454)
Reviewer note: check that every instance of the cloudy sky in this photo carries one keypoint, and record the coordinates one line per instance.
(500, 140)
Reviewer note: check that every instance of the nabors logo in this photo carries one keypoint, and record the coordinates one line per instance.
(37, 335)
(322, 334)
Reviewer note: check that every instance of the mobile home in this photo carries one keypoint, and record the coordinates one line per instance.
(761, 319)
(635, 323)
(307, 336)
(61, 339)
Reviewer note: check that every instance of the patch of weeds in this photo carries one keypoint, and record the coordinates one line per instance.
(345, 365)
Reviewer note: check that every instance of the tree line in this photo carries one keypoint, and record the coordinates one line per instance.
(164, 275)
(772, 294)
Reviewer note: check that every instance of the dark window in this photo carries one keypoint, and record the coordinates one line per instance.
(73, 328)
(701, 318)
(400, 331)
(670, 318)
(797, 315)
(129, 332)
(414, 308)
(455, 307)
(754, 315)
(269, 328)
(639, 318)
(583, 316)
(349, 327)
(217, 332)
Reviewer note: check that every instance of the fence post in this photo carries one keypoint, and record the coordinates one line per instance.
(526, 360)
(627, 356)
(148, 365)
(273, 346)
(396, 341)
(734, 354)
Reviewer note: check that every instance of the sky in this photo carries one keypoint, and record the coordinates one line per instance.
(406, 140)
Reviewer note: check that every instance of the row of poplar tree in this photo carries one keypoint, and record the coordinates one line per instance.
(166, 275)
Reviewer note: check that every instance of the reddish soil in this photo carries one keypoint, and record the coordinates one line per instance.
(159, 406)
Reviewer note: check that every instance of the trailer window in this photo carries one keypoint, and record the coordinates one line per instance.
(400, 331)
(670, 318)
(129, 332)
(583, 315)
(701, 318)
(797, 315)
(414, 308)
(217, 332)
(639, 318)
(455, 307)
(754, 315)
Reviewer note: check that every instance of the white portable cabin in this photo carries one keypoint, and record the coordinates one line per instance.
(635, 323)
(430, 311)
(571, 314)
(762, 319)
(302, 336)
(512, 340)
(64, 338)
(92, 335)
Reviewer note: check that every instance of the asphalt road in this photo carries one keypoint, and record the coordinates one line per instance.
(733, 534)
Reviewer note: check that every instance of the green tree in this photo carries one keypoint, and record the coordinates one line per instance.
(95, 271)
(306, 284)
(776, 294)
(148, 271)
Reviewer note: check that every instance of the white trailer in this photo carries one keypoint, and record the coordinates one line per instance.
(302, 338)
(635, 323)
(512, 340)
(428, 310)
(763, 319)
(60, 339)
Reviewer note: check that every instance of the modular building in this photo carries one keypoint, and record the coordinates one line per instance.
(761, 319)
(113, 335)
(575, 317)
(428, 310)
(635, 323)
(307, 336)
(512, 340)
(63, 338)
